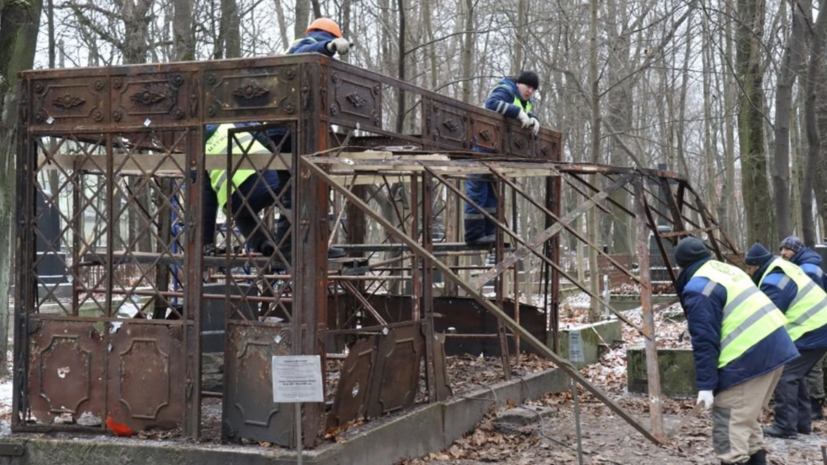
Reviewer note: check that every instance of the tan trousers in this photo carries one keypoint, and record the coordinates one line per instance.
(736, 431)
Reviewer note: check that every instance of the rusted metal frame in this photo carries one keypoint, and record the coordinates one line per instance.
(658, 239)
(193, 245)
(677, 216)
(499, 284)
(688, 232)
(531, 249)
(76, 177)
(24, 305)
(515, 285)
(416, 275)
(77, 225)
(397, 165)
(550, 277)
(428, 289)
(586, 196)
(333, 234)
(245, 152)
(674, 220)
(376, 329)
(310, 234)
(711, 218)
(561, 223)
(596, 190)
(650, 343)
(203, 296)
(705, 221)
(562, 363)
(565, 224)
(365, 304)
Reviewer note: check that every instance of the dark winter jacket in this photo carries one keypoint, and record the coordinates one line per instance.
(704, 316)
(782, 292)
(810, 262)
(315, 42)
(501, 99)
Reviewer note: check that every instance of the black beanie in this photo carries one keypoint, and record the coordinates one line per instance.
(757, 255)
(689, 251)
(529, 78)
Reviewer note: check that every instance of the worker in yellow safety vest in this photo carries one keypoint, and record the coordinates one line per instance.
(740, 346)
(250, 191)
(512, 99)
(804, 304)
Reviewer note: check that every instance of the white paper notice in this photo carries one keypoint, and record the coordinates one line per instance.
(297, 378)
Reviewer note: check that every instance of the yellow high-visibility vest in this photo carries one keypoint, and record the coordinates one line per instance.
(808, 311)
(217, 145)
(749, 315)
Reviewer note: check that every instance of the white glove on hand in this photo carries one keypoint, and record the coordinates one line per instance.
(707, 398)
(536, 125)
(524, 118)
(340, 46)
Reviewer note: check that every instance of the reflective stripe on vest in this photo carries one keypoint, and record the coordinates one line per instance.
(297, 41)
(502, 107)
(748, 315)
(243, 142)
(808, 311)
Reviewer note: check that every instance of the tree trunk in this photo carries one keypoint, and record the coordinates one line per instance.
(400, 103)
(19, 23)
(755, 186)
(302, 12)
(183, 32)
(594, 236)
(790, 64)
(814, 86)
(467, 52)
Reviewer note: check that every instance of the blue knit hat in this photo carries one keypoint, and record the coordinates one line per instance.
(689, 251)
(757, 255)
(793, 243)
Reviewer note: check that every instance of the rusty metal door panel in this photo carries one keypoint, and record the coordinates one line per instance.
(443, 388)
(486, 131)
(146, 375)
(355, 378)
(252, 94)
(519, 141)
(70, 102)
(66, 370)
(354, 99)
(396, 376)
(445, 124)
(248, 409)
(548, 145)
(157, 97)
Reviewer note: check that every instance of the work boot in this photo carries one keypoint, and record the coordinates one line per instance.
(776, 432)
(758, 458)
(817, 412)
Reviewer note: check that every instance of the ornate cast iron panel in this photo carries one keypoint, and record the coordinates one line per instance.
(153, 98)
(70, 102)
(354, 382)
(252, 94)
(396, 377)
(354, 99)
(548, 145)
(249, 411)
(519, 141)
(66, 362)
(446, 124)
(146, 375)
(485, 130)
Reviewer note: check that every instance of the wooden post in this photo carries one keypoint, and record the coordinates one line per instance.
(650, 343)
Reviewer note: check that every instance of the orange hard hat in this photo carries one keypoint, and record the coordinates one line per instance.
(327, 25)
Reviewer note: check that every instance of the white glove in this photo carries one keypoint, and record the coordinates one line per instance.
(524, 118)
(340, 46)
(707, 398)
(536, 125)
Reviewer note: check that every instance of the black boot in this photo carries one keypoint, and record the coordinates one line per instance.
(758, 458)
(776, 432)
(816, 413)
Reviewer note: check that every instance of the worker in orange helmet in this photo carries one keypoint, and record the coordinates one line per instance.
(323, 36)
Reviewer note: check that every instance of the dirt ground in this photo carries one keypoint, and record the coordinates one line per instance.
(606, 438)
